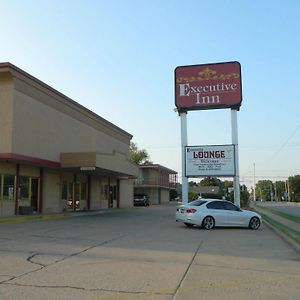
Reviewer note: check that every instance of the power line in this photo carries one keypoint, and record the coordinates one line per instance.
(287, 140)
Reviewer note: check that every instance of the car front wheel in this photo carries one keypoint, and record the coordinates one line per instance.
(254, 223)
(208, 223)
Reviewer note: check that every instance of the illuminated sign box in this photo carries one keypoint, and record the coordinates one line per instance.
(209, 161)
(209, 86)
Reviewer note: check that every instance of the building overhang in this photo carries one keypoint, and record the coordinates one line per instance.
(29, 160)
(113, 164)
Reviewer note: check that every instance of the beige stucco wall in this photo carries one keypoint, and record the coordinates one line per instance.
(51, 192)
(164, 196)
(42, 131)
(6, 112)
(126, 193)
(8, 168)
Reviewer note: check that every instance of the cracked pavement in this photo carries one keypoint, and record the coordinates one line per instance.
(141, 253)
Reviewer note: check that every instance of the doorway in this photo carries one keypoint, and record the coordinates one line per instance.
(34, 193)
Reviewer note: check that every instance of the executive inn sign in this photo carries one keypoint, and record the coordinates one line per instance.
(203, 87)
(209, 86)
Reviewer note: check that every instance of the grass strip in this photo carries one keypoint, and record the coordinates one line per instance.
(282, 214)
(295, 235)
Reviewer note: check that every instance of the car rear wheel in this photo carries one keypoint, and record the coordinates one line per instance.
(188, 225)
(254, 223)
(208, 223)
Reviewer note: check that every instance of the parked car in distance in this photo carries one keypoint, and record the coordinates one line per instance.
(209, 213)
(140, 200)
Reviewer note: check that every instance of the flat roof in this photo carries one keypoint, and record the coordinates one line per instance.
(157, 166)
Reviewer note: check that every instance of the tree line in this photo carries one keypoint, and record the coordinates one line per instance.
(289, 190)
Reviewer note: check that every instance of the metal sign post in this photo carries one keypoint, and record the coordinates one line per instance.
(184, 143)
(236, 178)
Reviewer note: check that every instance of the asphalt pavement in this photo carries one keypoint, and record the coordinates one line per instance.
(142, 253)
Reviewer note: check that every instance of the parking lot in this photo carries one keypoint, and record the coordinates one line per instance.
(142, 253)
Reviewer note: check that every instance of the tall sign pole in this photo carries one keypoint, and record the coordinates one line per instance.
(184, 143)
(236, 178)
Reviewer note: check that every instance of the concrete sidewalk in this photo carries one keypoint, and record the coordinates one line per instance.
(279, 223)
(32, 217)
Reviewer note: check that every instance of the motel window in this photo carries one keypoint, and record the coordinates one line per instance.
(24, 187)
(8, 187)
(64, 191)
(70, 190)
(77, 191)
(83, 191)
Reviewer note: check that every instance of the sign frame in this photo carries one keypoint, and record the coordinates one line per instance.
(201, 87)
(212, 173)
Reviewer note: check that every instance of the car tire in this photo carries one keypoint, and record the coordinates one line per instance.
(254, 223)
(208, 223)
(188, 225)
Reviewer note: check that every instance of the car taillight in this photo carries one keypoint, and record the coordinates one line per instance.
(191, 210)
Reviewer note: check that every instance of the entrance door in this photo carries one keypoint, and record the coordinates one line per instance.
(34, 193)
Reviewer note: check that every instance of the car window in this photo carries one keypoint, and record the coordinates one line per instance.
(215, 205)
(230, 206)
(197, 202)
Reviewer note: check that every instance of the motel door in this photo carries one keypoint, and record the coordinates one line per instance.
(34, 193)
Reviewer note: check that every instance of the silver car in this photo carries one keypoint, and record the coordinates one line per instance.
(209, 213)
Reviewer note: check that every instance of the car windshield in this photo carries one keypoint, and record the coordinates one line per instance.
(197, 202)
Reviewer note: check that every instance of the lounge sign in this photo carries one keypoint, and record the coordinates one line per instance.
(208, 86)
(209, 161)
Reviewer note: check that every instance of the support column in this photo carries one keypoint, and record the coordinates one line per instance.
(17, 189)
(89, 192)
(236, 179)
(40, 201)
(74, 191)
(184, 143)
(118, 193)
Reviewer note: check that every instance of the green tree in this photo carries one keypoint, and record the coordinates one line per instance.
(279, 189)
(211, 181)
(193, 196)
(138, 156)
(264, 190)
(294, 187)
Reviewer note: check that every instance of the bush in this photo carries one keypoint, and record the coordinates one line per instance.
(193, 196)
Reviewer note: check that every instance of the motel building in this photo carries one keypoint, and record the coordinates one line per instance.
(55, 154)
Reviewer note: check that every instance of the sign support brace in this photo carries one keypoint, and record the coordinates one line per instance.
(236, 179)
(184, 143)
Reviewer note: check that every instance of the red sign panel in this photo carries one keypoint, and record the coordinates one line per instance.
(208, 86)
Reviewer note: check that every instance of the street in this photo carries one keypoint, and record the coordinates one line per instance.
(142, 253)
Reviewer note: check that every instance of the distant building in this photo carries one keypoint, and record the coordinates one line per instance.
(155, 181)
(55, 154)
(205, 189)
(202, 190)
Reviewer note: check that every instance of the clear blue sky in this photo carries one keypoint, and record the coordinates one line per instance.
(118, 57)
